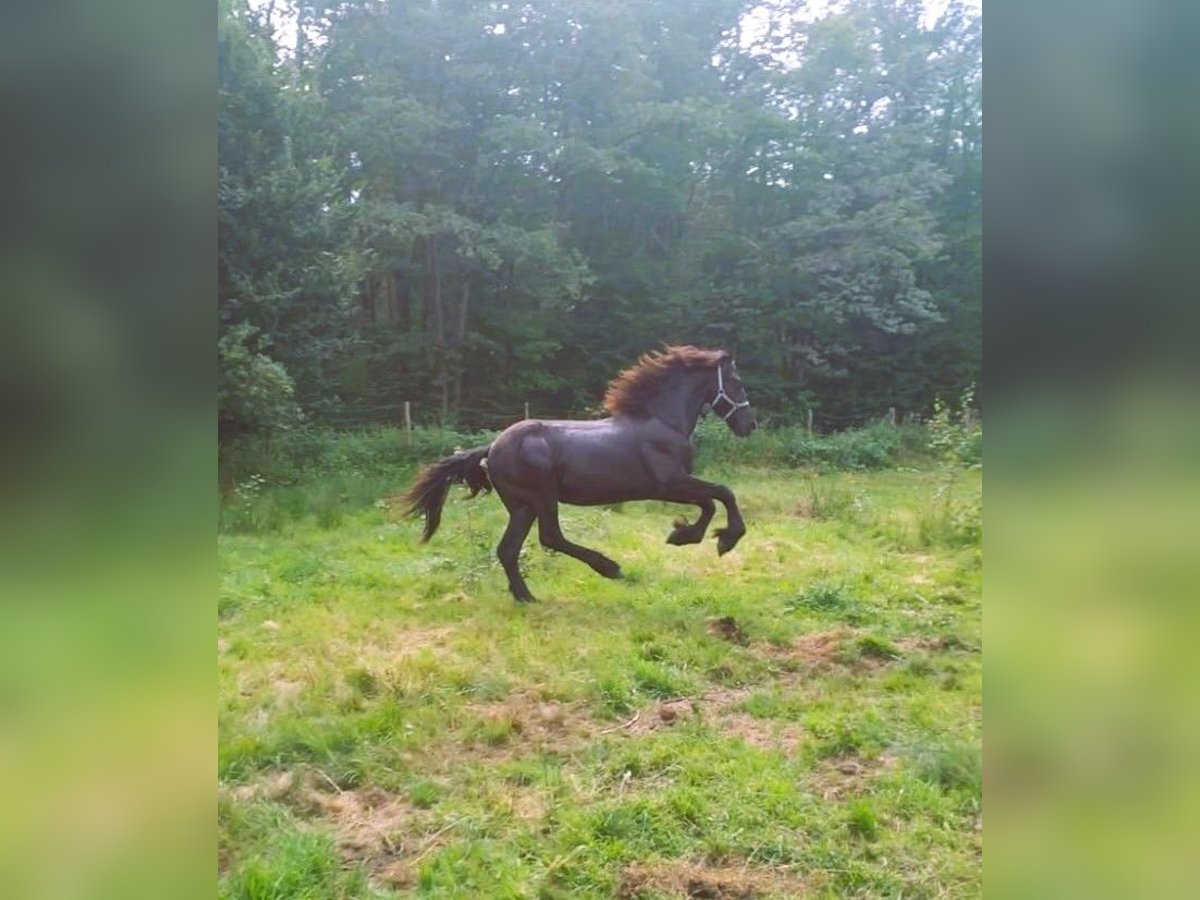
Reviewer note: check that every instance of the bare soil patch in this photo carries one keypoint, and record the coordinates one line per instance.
(849, 776)
(764, 734)
(524, 721)
(727, 629)
(696, 880)
(371, 825)
(381, 650)
(941, 643)
(816, 651)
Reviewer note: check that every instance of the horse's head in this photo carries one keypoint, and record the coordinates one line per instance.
(729, 399)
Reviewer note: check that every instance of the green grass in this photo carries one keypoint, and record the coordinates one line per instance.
(392, 724)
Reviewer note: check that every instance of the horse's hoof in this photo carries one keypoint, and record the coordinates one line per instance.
(727, 540)
(681, 536)
(524, 598)
(611, 571)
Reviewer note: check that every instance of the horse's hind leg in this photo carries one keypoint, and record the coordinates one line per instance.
(551, 536)
(520, 520)
(693, 534)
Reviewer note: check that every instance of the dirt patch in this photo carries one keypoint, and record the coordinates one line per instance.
(805, 509)
(664, 715)
(695, 880)
(527, 722)
(849, 776)
(764, 734)
(815, 651)
(382, 650)
(940, 644)
(285, 692)
(727, 629)
(371, 825)
(717, 709)
(273, 786)
(368, 822)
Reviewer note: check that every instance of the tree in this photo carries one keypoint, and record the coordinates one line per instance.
(469, 204)
(287, 267)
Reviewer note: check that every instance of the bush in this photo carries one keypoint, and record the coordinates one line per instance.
(288, 457)
(955, 436)
(269, 480)
(254, 392)
(877, 446)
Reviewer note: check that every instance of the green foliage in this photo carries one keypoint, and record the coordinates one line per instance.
(862, 821)
(295, 864)
(877, 446)
(950, 519)
(955, 435)
(952, 767)
(872, 647)
(254, 392)
(473, 206)
(955, 440)
(827, 599)
(317, 451)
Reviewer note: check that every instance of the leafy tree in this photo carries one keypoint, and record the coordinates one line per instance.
(287, 267)
(468, 204)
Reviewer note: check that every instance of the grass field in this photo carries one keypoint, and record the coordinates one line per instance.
(802, 717)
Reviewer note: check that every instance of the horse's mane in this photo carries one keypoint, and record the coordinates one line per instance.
(632, 390)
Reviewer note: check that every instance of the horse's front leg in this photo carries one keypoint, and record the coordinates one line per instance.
(685, 533)
(688, 489)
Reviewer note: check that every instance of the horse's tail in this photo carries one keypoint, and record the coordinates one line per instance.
(428, 493)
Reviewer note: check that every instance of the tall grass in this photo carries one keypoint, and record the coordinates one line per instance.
(313, 450)
(298, 453)
(323, 473)
(875, 447)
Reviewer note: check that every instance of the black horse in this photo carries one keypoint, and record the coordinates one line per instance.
(643, 452)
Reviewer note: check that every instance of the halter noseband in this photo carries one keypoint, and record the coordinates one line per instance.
(721, 395)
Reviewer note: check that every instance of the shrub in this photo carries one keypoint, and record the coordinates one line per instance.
(254, 392)
(877, 446)
(955, 435)
(288, 457)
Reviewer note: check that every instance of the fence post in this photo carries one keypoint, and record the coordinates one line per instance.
(808, 421)
(408, 422)
(527, 409)
(891, 416)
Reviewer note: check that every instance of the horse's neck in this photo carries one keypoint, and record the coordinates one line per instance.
(679, 406)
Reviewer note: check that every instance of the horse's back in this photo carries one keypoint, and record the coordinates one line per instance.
(580, 462)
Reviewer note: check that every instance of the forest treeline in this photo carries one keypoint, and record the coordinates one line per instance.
(470, 205)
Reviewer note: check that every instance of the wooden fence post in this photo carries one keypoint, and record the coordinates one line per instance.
(408, 422)
(890, 418)
(527, 409)
(808, 421)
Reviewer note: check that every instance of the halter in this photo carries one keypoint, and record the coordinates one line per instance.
(721, 395)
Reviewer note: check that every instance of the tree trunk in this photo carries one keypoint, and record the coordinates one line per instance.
(439, 319)
(403, 298)
(462, 337)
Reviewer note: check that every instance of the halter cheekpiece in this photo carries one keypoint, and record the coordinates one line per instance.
(721, 395)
